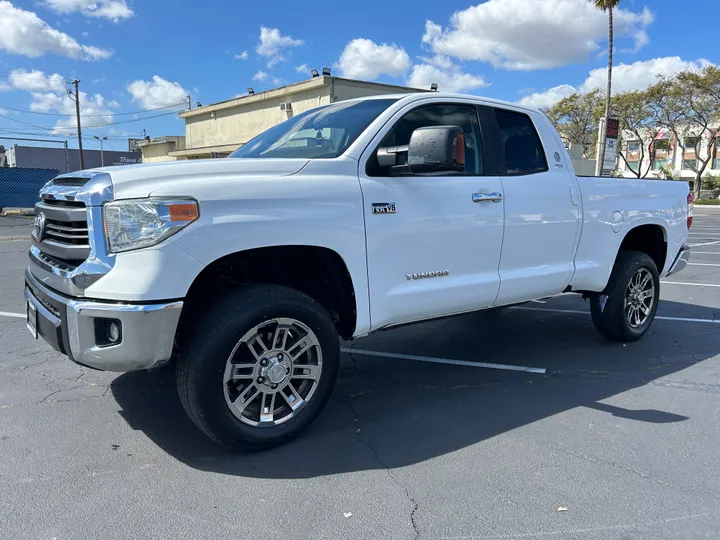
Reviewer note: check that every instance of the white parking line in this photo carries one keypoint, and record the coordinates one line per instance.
(692, 284)
(706, 252)
(578, 312)
(705, 244)
(702, 264)
(444, 361)
(8, 314)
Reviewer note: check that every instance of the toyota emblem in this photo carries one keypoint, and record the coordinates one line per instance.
(39, 226)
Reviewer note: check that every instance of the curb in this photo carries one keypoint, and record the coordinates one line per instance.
(14, 238)
(18, 212)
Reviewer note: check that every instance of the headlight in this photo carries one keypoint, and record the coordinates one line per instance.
(135, 224)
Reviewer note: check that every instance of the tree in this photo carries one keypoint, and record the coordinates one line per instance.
(606, 5)
(688, 105)
(636, 124)
(576, 118)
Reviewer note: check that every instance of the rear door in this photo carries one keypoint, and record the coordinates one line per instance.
(434, 240)
(542, 212)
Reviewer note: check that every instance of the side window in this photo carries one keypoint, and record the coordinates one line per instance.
(463, 116)
(523, 150)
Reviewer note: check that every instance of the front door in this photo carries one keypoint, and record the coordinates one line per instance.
(433, 241)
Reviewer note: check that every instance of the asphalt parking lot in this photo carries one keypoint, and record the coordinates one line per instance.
(612, 441)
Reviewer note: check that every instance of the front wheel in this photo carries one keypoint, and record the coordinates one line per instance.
(625, 310)
(259, 368)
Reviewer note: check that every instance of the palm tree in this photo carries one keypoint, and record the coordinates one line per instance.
(606, 5)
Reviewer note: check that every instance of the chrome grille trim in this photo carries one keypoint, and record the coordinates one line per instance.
(89, 258)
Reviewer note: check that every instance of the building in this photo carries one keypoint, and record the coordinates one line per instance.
(663, 153)
(217, 130)
(582, 166)
(159, 148)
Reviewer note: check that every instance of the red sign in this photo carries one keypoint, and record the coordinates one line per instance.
(612, 128)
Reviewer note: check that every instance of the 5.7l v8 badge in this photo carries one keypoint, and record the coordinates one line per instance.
(383, 208)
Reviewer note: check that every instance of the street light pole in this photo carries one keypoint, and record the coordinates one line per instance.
(102, 155)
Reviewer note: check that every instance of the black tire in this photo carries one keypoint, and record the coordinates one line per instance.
(201, 363)
(610, 319)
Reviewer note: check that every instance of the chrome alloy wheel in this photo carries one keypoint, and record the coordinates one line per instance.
(272, 372)
(639, 298)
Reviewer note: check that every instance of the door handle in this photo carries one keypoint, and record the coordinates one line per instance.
(487, 197)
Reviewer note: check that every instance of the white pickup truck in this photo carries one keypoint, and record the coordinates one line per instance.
(343, 220)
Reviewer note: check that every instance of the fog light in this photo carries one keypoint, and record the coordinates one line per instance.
(114, 332)
(108, 332)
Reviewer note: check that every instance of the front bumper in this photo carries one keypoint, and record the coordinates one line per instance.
(71, 325)
(681, 261)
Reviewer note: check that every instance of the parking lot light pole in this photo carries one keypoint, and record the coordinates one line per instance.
(102, 155)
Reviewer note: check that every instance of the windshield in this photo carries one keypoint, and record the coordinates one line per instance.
(325, 132)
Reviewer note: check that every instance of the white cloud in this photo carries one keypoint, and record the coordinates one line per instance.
(528, 34)
(640, 75)
(448, 77)
(439, 60)
(626, 77)
(23, 32)
(260, 76)
(365, 59)
(303, 68)
(36, 81)
(278, 81)
(548, 98)
(4, 87)
(157, 93)
(94, 111)
(113, 10)
(242, 56)
(272, 43)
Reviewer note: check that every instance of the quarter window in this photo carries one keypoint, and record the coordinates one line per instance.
(523, 150)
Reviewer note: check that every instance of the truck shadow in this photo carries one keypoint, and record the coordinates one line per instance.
(388, 413)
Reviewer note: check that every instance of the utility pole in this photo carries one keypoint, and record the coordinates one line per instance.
(102, 155)
(77, 112)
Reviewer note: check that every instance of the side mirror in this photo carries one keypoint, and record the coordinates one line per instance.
(436, 149)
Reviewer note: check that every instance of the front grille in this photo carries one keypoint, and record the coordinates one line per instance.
(51, 308)
(64, 238)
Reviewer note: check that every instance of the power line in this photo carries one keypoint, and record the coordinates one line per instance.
(93, 115)
(91, 126)
(131, 121)
(21, 122)
(19, 134)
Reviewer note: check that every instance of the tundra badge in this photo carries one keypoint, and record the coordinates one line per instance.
(424, 275)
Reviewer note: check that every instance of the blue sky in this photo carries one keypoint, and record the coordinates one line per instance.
(135, 57)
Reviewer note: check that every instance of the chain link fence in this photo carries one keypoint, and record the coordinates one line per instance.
(25, 166)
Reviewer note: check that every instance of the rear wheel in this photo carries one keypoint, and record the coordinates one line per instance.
(260, 367)
(626, 309)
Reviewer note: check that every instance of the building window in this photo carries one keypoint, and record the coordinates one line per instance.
(633, 166)
(689, 164)
(661, 154)
(690, 144)
(633, 147)
(716, 163)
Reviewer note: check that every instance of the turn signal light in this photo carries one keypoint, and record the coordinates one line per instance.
(183, 212)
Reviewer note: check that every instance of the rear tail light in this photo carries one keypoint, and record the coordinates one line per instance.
(690, 204)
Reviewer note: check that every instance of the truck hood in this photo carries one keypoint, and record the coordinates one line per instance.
(137, 181)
